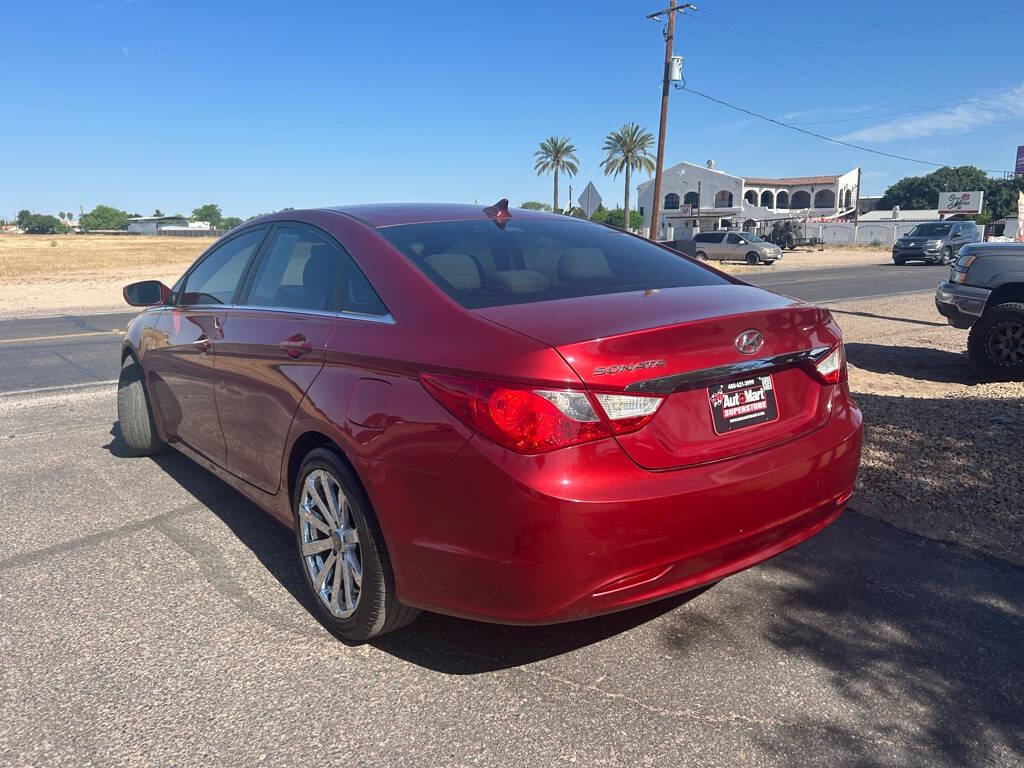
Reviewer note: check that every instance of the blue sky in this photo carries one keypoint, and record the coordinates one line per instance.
(260, 105)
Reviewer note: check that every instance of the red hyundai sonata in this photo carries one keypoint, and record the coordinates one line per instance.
(505, 415)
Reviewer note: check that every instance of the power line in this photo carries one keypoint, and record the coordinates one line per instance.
(804, 72)
(906, 112)
(916, 87)
(912, 31)
(818, 135)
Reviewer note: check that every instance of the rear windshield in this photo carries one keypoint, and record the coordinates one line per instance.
(930, 229)
(481, 265)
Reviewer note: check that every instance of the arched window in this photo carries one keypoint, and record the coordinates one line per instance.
(825, 198)
(671, 202)
(848, 200)
(723, 199)
(750, 196)
(690, 199)
(801, 199)
(767, 199)
(782, 199)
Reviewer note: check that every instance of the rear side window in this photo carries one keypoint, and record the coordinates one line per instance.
(304, 270)
(215, 279)
(481, 265)
(299, 271)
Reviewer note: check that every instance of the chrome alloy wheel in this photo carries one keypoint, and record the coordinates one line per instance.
(330, 544)
(1006, 343)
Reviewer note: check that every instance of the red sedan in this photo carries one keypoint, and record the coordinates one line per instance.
(505, 415)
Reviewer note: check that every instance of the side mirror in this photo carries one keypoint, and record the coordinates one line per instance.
(147, 293)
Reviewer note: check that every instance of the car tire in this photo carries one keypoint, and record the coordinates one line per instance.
(353, 607)
(753, 259)
(701, 256)
(996, 341)
(946, 256)
(134, 414)
(899, 262)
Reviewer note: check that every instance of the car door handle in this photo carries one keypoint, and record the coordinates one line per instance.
(296, 346)
(202, 344)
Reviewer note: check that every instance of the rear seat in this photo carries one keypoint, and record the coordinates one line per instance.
(458, 269)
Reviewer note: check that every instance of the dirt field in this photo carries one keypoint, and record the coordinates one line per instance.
(81, 273)
(42, 274)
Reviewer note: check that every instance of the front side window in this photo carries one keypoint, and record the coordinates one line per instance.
(215, 279)
(734, 240)
(481, 265)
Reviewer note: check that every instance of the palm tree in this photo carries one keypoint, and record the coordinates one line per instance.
(627, 150)
(556, 154)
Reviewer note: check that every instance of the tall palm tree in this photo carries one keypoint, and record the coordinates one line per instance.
(627, 150)
(556, 154)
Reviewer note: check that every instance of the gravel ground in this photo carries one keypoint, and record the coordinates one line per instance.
(943, 449)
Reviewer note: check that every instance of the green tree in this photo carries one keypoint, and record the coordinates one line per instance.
(209, 212)
(230, 222)
(20, 218)
(922, 192)
(628, 150)
(104, 217)
(533, 205)
(41, 224)
(558, 155)
(157, 212)
(617, 216)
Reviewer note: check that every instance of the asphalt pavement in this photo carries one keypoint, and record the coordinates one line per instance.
(151, 616)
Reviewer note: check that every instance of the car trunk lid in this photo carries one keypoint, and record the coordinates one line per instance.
(681, 343)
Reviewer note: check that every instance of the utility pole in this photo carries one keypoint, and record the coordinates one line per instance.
(665, 83)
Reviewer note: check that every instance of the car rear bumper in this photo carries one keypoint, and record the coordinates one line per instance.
(961, 305)
(583, 531)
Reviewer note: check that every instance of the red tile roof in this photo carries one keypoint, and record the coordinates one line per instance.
(794, 181)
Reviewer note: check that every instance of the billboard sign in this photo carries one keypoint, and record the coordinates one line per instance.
(960, 202)
(1019, 168)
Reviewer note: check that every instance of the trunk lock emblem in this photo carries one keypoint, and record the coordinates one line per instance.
(749, 341)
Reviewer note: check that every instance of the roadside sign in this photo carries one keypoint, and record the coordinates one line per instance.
(589, 199)
(686, 209)
(1019, 169)
(960, 202)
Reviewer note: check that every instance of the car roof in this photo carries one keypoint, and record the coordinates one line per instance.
(392, 214)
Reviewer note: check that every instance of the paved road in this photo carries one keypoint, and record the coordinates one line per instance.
(72, 350)
(150, 616)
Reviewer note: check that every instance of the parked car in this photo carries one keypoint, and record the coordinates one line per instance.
(504, 415)
(985, 292)
(735, 246)
(935, 242)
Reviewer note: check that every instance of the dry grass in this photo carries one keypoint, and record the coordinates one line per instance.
(32, 257)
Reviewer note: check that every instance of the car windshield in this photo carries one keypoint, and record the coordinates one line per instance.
(930, 230)
(480, 264)
(752, 238)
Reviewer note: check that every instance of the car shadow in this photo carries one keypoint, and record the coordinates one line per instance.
(920, 643)
(440, 643)
(922, 363)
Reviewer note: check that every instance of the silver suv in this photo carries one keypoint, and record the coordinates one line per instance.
(985, 292)
(735, 246)
(935, 242)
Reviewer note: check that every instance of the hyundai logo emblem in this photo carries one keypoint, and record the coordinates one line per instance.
(749, 341)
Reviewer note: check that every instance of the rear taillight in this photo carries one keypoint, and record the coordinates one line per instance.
(832, 367)
(529, 420)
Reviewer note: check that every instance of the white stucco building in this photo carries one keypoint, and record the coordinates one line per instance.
(702, 197)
